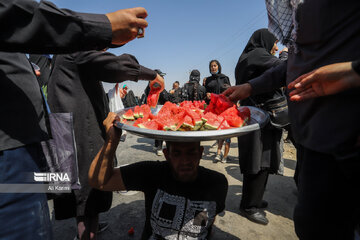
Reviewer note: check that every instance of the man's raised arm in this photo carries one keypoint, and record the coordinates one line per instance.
(102, 174)
(31, 27)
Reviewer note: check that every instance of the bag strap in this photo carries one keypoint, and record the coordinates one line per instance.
(44, 99)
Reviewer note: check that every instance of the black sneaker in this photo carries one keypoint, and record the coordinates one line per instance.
(254, 215)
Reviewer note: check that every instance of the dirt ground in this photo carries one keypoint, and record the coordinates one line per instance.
(128, 209)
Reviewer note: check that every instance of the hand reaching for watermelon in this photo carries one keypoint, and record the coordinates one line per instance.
(238, 92)
(156, 87)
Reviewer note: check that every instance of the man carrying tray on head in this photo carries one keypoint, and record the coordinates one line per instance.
(181, 198)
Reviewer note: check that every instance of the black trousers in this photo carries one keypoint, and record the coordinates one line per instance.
(253, 189)
(328, 204)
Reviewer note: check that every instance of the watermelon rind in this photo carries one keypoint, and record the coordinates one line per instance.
(129, 115)
(208, 126)
(198, 125)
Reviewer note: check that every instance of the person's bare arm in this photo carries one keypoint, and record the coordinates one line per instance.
(327, 80)
(102, 174)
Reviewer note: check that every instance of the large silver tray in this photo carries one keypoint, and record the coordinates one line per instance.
(258, 120)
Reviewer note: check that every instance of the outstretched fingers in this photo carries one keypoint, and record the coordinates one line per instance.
(301, 95)
(302, 81)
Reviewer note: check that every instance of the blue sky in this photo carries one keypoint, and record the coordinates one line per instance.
(185, 35)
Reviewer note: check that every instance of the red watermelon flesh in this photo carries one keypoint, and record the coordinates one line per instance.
(138, 121)
(199, 104)
(187, 104)
(230, 111)
(153, 97)
(222, 104)
(144, 111)
(234, 120)
(123, 120)
(218, 104)
(166, 108)
(153, 125)
(186, 124)
(244, 113)
(196, 118)
(137, 112)
(213, 121)
(224, 125)
(232, 117)
(129, 115)
(166, 124)
(189, 117)
(170, 121)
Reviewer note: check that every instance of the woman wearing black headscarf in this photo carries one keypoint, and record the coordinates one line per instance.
(217, 82)
(259, 152)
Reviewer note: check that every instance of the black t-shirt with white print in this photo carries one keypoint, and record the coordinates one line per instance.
(176, 210)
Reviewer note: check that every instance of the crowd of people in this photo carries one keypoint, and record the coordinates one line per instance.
(318, 72)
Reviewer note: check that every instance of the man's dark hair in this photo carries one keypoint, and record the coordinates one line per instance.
(169, 143)
(177, 82)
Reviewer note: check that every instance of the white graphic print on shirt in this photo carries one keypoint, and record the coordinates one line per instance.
(178, 218)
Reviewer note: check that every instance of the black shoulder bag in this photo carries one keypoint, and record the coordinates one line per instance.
(277, 108)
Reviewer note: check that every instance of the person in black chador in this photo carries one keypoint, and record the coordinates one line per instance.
(323, 39)
(217, 82)
(193, 90)
(182, 199)
(45, 29)
(259, 152)
(75, 86)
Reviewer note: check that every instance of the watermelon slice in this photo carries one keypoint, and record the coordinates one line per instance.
(123, 120)
(153, 97)
(145, 112)
(230, 111)
(187, 124)
(218, 104)
(196, 118)
(169, 123)
(138, 121)
(153, 125)
(222, 104)
(137, 112)
(129, 115)
(224, 125)
(213, 121)
(232, 116)
(244, 113)
(235, 121)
